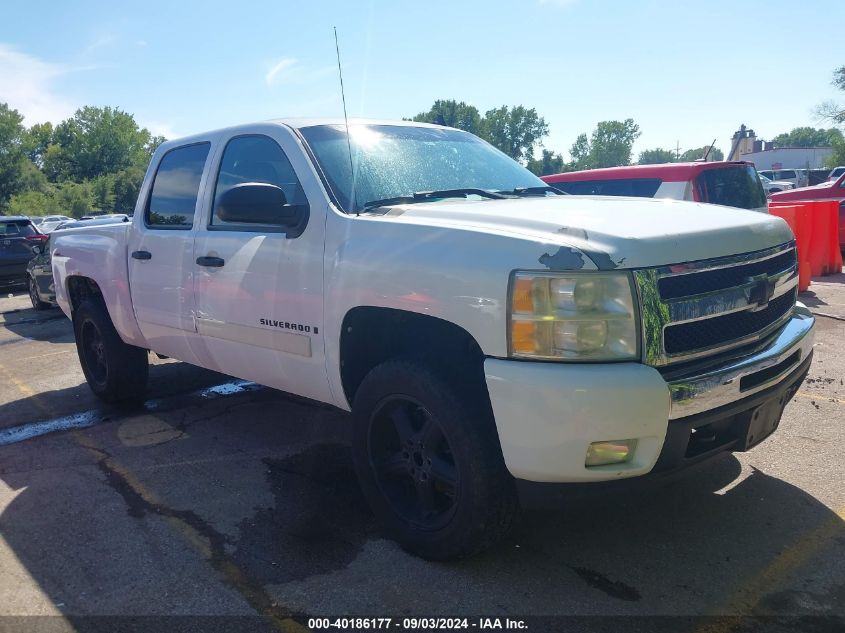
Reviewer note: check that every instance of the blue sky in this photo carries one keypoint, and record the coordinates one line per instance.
(685, 72)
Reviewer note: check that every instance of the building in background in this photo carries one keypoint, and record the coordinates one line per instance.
(745, 146)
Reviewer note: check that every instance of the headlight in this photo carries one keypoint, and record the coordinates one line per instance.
(579, 316)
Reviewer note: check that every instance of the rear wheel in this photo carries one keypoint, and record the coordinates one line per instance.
(429, 462)
(114, 370)
(34, 297)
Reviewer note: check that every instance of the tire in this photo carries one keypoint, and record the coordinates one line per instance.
(429, 462)
(37, 304)
(114, 370)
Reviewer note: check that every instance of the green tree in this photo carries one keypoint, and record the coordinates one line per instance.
(454, 114)
(102, 192)
(831, 110)
(656, 156)
(697, 153)
(32, 203)
(96, 141)
(127, 185)
(837, 158)
(75, 199)
(12, 155)
(580, 151)
(807, 137)
(609, 145)
(36, 140)
(549, 163)
(515, 131)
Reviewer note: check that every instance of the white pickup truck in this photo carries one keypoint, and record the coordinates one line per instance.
(482, 328)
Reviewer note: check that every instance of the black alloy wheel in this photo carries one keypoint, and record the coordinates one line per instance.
(413, 463)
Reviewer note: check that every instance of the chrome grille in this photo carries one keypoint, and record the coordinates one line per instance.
(705, 308)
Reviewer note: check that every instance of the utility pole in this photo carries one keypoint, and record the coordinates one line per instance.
(677, 150)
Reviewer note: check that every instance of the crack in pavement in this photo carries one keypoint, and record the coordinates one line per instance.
(211, 543)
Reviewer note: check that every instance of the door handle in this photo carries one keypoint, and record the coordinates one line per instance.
(142, 255)
(213, 262)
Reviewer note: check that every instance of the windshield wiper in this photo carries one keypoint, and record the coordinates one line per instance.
(425, 196)
(533, 191)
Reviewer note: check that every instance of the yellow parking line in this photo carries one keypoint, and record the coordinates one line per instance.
(26, 391)
(234, 576)
(767, 580)
(64, 351)
(819, 397)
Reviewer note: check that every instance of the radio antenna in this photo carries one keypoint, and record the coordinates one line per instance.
(709, 149)
(345, 118)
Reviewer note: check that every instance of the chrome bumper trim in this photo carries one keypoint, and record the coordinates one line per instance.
(720, 386)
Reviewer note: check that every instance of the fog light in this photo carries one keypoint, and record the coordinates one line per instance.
(611, 452)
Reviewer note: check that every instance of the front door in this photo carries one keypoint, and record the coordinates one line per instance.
(259, 288)
(161, 247)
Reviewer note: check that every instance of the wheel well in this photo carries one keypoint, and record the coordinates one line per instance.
(369, 336)
(81, 288)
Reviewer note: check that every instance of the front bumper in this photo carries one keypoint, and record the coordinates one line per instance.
(547, 414)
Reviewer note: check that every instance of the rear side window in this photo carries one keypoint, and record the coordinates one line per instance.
(787, 174)
(768, 174)
(17, 229)
(634, 187)
(732, 187)
(173, 200)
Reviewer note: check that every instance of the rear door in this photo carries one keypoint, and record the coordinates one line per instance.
(161, 249)
(15, 249)
(259, 289)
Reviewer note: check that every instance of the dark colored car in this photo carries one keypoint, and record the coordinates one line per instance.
(42, 292)
(17, 237)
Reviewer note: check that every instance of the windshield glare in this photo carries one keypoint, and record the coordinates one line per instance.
(397, 160)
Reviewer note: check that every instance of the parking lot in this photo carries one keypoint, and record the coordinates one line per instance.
(223, 498)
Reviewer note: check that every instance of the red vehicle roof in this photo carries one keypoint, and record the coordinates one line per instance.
(668, 172)
(825, 191)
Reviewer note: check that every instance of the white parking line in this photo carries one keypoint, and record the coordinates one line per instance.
(27, 431)
(85, 419)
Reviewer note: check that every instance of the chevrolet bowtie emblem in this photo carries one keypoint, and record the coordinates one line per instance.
(761, 292)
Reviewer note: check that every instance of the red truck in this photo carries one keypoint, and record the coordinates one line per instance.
(728, 183)
(830, 190)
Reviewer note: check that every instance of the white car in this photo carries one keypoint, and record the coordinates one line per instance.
(835, 173)
(50, 222)
(798, 177)
(773, 186)
(483, 330)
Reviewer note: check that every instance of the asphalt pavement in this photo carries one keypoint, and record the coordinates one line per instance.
(219, 498)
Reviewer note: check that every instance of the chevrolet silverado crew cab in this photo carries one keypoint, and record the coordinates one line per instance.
(481, 327)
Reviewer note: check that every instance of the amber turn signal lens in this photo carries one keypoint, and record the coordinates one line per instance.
(523, 295)
(523, 337)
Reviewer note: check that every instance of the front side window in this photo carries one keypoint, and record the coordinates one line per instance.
(731, 187)
(255, 159)
(173, 199)
(400, 160)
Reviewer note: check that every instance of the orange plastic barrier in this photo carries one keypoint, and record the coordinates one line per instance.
(800, 221)
(815, 224)
(832, 234)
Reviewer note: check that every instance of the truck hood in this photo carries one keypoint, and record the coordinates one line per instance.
(606, 232)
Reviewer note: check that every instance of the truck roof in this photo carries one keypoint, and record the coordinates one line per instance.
(671, 172)
(298, 123)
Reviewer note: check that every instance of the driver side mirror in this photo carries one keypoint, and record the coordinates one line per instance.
(259, 203)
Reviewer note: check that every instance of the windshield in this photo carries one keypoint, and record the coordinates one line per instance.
(398, 160)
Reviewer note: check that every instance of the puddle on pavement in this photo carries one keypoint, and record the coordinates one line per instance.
(319, 523)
